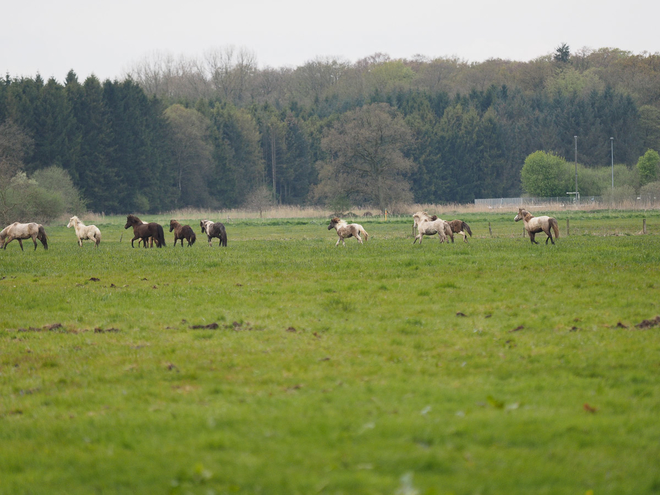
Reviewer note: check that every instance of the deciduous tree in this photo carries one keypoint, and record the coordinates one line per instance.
(366, 159)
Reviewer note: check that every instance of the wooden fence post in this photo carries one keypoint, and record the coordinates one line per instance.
(490, 230)
(568, 227)
(644, 226)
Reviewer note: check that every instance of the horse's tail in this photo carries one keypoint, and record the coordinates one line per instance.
(366, 235)
(466, 228)
(193, 237)
(160, 235)
(555, 226)
(41, 235)
(223, 238)
(97, 237)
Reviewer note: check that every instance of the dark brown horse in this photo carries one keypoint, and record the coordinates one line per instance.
(182, 232)
(144, 231)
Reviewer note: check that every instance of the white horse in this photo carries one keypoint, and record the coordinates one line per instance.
(431, 227)
(346, 230)
(83, 231)
(21, 231)
(534, 225)
(421, 216)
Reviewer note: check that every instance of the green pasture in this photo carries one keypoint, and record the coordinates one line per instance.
(282, 364)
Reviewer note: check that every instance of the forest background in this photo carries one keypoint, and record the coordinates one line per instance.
(219, 132)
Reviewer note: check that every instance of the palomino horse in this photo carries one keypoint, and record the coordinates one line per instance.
(83, 231)
(423, 216)
(459, 227)
(346, 230)
(182, 232)
(431, 227)
(534, 225)
(144, 231)
(214, 229)
(20, 231)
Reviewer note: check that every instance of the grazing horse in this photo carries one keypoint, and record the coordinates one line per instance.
(83, 231)
(346, 230)
(534, 225)
(459, 227)
(21, 231)
(423, 216)
(144, 231)
(431, 227)
(182, 232)
(214, 229)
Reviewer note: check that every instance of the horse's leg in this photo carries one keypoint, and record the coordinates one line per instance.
(20, 242)
(34, 240)
(549, 233)
(532, 235)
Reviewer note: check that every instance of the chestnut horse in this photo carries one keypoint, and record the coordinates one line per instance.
(21, 231)
(144, 231)
(534, 225)
(182, 232)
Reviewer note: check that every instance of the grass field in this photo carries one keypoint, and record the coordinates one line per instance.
(282, 364)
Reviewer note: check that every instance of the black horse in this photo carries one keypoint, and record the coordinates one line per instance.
(144, 231)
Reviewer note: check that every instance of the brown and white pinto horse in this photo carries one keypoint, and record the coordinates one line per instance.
(214, 229)
(459, 227)
(346, 230)
(20, 231)
(534, 225)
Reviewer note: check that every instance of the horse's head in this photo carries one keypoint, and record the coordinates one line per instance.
(521, 215)
(173, 225)
(334, 222)
(202, 224)
(41, 235)
(132, 220)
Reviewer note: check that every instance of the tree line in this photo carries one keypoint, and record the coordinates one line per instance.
(219, 132)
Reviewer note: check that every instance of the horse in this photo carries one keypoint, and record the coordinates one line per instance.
(214, 229)
(459, 227)
(431, 227)
(144, 231)
(83, 231)
(423, 216)
(182, 232)
(20, 231)
(534, 225)
(346, 230)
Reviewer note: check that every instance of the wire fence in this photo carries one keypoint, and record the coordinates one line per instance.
(641, 202)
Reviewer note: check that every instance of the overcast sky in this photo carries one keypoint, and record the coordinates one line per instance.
(104, 38)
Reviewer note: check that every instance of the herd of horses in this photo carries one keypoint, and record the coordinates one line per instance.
(152, 233)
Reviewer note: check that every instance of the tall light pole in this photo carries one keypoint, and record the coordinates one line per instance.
(577, 195)
(612, 154)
